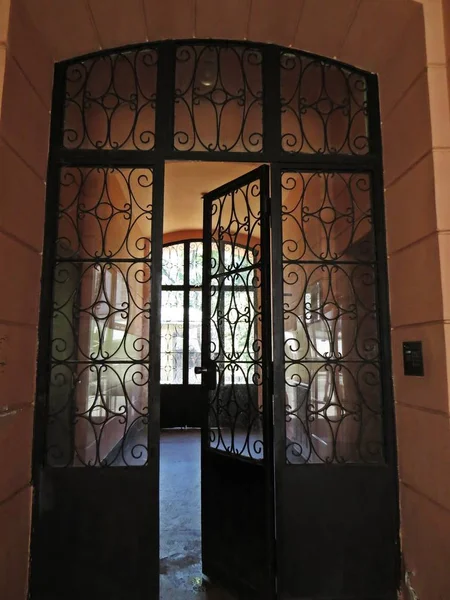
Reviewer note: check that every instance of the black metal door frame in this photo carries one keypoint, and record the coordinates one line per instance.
(328, 477)
(272, 152)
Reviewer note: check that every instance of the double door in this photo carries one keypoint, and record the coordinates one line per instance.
(298, 469)
(297, 456)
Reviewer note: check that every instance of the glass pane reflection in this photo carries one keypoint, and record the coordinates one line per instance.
(331, 343)
(218, 99)
(323, 107)
(98, 387)
(111, 101)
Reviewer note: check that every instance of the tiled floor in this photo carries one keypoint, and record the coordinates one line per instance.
(180, 541)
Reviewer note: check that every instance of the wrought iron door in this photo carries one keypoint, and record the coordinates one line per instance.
(98, 528)
(117, 116)
(334, 457)
(237, 460)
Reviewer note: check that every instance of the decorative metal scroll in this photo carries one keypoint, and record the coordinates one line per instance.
(111, 101)
(98, 391)
(323, 107)
(102, 272)
(235, 408)
(218, 99)
(331, 348)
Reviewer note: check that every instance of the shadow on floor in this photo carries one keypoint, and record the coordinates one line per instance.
(180, 537)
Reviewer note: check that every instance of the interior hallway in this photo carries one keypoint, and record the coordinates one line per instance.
(180, 537)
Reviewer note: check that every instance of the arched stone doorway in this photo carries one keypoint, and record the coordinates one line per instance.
(297, 418)
(411, 64)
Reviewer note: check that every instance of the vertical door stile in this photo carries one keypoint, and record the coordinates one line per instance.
(267, 369)
(154, 400)
(335, 483)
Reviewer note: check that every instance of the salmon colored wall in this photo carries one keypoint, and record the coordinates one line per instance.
(88, 432)
(403, 41)
(418, 187)
(26, 65)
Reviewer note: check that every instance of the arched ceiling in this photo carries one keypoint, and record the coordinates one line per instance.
(349, 30)
(185, 182)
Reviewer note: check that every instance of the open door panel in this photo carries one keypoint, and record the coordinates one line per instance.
(237, 460)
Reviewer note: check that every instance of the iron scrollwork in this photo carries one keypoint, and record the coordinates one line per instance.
(98, 395)
(331, 348)
(105, 213)
(111, 101)
(236, 407)
(323, 107)
(218, 99)
(102, 270)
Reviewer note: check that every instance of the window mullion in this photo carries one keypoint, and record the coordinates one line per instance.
(186, 281)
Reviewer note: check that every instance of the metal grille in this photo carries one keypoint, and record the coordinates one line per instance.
(235, 414)
(331, 339)
(111, 101)
(98, 396)
(208, 100)
(313, 256)
(215, 99)
(218, 99)
(323, 107)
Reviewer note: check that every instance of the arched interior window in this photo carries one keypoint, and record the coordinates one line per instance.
(181, 311)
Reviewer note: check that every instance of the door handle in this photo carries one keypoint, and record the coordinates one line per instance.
(208, 373)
